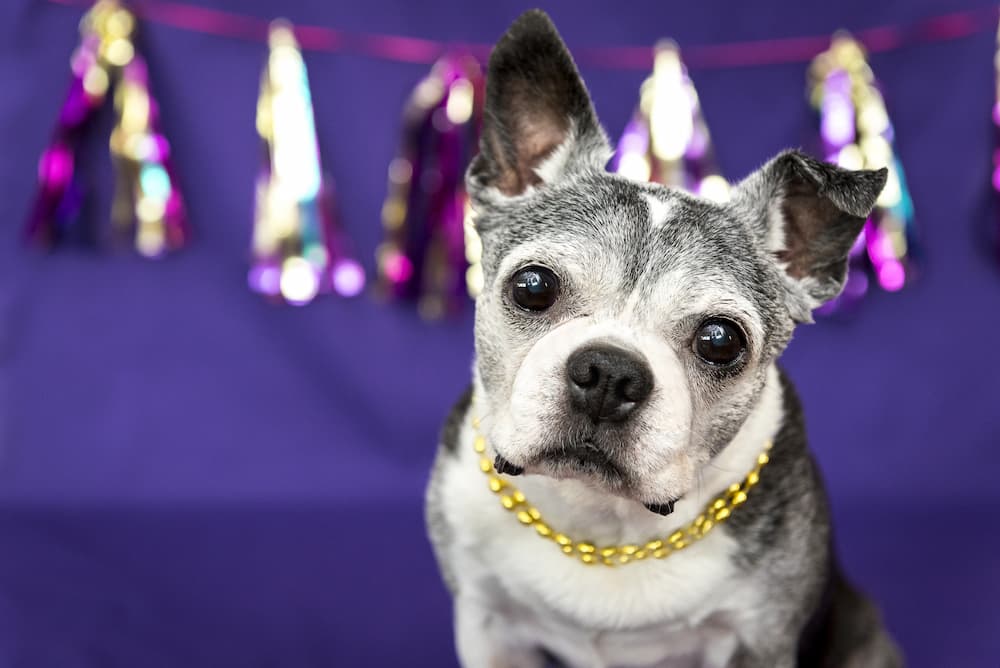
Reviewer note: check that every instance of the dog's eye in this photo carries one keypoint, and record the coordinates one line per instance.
(535, 288)
(719, 342)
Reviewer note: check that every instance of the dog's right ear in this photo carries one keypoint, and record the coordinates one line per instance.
(538, 123)
(808, 214)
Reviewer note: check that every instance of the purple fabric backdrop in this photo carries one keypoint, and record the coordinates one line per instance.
(189, 477)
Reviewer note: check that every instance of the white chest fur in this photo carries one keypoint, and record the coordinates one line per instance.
(649, 613)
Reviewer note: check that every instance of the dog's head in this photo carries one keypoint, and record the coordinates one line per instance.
(624, 329)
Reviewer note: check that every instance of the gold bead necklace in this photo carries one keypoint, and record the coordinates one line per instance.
(716, 512)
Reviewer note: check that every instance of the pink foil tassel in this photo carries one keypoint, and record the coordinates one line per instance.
(147, 199)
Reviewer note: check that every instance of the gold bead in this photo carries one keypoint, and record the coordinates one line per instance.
(722, 514)
(475, 422)
(587, 558)
(524, 518)
(607, 561)
(496, 484)
(675, 536)
(535, 515)
(630, 549)
(680, 545)
(707, 526)
(752, 478)
(585, 548)
(739, 497)
(485, 465)
(608, 551)
(119, 52)
(659, 554)
(698, 521)
(719, 503)
(507, 502)
(735, 487)
(567, 549)
(518, 496)
(762, 458)
(654, 545)
(119, 23)
(640, 554)
(543, 529)
(479, 444)
(96, 81)
(563, 539)
(623, 559)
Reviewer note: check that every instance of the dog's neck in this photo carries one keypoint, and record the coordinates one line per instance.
(585, 512)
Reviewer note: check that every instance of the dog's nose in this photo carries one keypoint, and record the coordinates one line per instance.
(607, 382)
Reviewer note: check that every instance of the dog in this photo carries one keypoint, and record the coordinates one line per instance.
(627, 482)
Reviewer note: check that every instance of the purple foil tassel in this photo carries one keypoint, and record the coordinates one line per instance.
(430, 253)
(59, 197)
(667, 140)
(996, 151)
(856, 133)
(147, 198)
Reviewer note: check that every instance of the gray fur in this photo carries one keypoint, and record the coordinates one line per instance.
(777, 250)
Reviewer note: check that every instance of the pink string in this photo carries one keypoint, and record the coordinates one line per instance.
(400, 48)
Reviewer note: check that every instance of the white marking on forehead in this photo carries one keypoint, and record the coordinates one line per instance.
(659, 210)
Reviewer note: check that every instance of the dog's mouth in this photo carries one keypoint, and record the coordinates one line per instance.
(584, 459)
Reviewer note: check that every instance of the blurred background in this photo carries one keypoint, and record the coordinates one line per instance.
(191, 476)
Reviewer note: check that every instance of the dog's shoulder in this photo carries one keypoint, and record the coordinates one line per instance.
(452, 428)
(440, 531)
(789, 500)
(846, 629)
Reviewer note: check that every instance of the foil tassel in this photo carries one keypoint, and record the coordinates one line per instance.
(147, 199)
(857, 134)
(430, 253)
(667, 140)
(996, 151)
(299, 249)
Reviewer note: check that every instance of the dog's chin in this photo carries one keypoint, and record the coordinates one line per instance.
(581, 461)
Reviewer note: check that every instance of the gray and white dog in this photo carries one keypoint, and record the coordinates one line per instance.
(626, 344)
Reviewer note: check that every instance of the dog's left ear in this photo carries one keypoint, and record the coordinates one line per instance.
(808, 214)
(538, 121)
